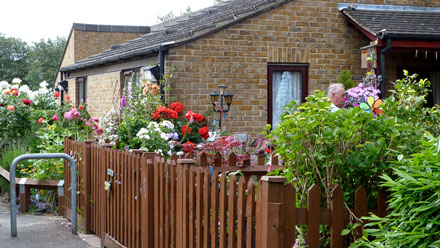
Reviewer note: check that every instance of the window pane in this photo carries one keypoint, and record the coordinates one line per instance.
(286, 87)
(80, 91)
(85, 90)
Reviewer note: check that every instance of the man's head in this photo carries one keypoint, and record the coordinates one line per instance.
(336, 94)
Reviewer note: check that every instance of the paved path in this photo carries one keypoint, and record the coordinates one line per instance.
(37, 231)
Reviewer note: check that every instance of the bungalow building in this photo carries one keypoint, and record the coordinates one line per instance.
(254, 46)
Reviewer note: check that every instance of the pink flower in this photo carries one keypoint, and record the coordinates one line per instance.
(75, 113)
(67, 115)
(123, 101)
(11, 107)
(99, 131)
(40, 121)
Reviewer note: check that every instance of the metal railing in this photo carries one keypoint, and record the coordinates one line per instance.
(12, 186)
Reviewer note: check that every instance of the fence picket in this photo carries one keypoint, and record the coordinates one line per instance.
(250, 214)
(215, 207)
(360, 207)
(199, 209)
(206, 207)
(232, 159)
(232, 200)
(313, 216)
(161, 203)
(223, 209)
(191, 207)
(337, 216)
(241, 212)
(218, 160)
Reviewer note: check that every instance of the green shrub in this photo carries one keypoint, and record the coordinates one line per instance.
(345, 79)
(351, 147)
(8, 156)
(414, 220)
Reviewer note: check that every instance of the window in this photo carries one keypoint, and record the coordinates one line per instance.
(286, 83)
(81, 90)
(129, 82)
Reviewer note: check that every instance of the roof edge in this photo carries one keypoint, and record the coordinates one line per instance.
(358, 6)
(199, 34)
(110, 28)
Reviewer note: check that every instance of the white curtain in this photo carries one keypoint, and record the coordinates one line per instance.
(286, 87)
(435, 84)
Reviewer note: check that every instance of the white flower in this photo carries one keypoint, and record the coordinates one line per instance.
(4, 84)
(179, 153)
(14, 86)
(212, 136)
(166, 123)
(159, 151)
(164, 136)
(44, 85)
(16, 81)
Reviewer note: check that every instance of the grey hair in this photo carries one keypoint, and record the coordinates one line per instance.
(333, 88)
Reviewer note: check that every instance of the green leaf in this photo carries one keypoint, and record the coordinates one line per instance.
(345, 232)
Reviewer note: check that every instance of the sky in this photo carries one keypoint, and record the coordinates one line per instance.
(33, 20)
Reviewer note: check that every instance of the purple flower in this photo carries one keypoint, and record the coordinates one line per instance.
(123, 101)
(176, 136)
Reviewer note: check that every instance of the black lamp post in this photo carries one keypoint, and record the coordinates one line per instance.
(227, 98)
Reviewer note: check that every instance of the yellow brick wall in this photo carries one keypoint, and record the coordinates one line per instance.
(90, 43)
(102, 93)
(302, 31)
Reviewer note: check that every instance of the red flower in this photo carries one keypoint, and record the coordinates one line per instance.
(177, 106)
(14, 92)
(40, 120)
(204, 132)
(27, 101)
(173, 114)
(267, 150)
(185, 129)
(67, 98)
(188, 146)
(11, 107)
(188, 115)
(56, 94)
(81, 107)
(156, 115)
(198, 117)
(161, 109)
(55, 118)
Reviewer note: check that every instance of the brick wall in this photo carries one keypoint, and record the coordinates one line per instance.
(90, 43)
(302, 31)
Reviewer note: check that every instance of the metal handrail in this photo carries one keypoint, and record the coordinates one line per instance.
(14, 195)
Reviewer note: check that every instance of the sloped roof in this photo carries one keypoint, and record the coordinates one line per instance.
(404, 22)
(179, 31)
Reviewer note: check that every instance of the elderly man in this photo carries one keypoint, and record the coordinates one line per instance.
(336, 94)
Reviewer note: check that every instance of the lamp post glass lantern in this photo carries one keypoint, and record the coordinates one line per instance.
(227, 99)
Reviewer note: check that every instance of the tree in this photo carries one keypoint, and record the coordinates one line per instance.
(44, 57)
(171, 15)
(13, 58)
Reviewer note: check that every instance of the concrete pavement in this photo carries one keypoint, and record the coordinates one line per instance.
(37, 231)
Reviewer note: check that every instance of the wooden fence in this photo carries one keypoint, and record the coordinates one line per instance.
(183, 203)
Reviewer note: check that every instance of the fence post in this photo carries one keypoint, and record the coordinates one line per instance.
(276, 219)
(87, 158)
(182, 185)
